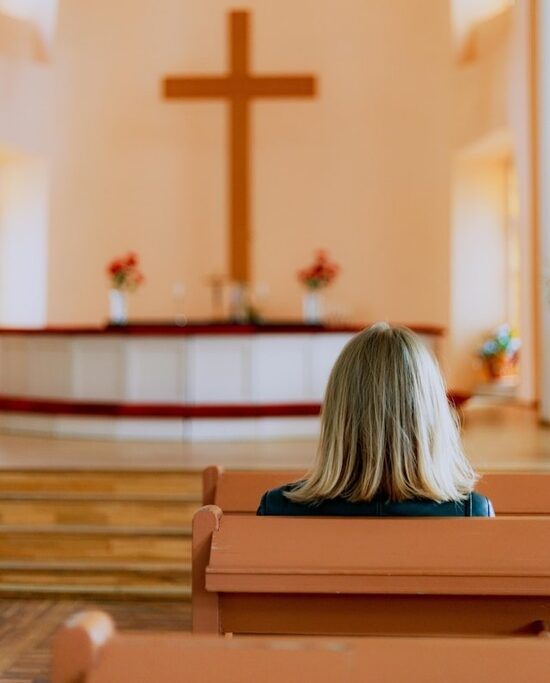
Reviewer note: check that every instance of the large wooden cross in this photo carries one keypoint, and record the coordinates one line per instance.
(238, 87)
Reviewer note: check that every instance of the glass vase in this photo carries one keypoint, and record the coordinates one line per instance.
(118, 307)
(312, 313)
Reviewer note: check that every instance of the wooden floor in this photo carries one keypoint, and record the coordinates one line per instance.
(27, 627)
(495, 437)
(114, 518)
(505, 437)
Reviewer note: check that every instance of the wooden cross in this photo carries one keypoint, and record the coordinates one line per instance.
(238, 87)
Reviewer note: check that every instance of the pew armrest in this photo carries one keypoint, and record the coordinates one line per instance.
(78, 643)
(210, 478)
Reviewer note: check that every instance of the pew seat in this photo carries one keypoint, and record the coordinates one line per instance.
(363, 576)
(512, 493)
(89, 650)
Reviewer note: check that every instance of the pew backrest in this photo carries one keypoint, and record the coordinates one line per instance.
(260, 574)
(98, 654)
(512, 493)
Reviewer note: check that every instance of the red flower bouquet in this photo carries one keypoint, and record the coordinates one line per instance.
(320, 273)
(125, 274)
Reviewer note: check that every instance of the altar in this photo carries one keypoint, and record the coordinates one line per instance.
(199, 381)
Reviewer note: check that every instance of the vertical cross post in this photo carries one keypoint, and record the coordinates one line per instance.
(238, 87)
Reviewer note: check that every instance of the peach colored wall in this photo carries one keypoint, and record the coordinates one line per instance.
(19, 38)
(519, 105)
(479, 266)
(40, 13)
(363, 170)
(465, 14)
(23, 241)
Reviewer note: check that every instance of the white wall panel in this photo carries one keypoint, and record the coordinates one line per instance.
(154, 370)
(219, 369)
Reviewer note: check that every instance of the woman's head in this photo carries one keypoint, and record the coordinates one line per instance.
(386, 426)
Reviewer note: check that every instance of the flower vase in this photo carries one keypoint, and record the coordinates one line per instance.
(312, 307)
(118, 307)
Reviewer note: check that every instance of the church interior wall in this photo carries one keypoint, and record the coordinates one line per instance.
(479, 261)
(24, 191)
(520, 104)
(543, 209)
(19, 36)
(465, 14)
(376, 162)
(362, 171)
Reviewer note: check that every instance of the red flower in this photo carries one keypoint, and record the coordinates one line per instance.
(115, 267)
(320, 273)
(124, 272)
(132, 259)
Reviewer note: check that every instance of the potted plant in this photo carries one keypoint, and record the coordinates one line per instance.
(500, 352)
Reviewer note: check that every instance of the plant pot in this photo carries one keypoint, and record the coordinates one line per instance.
(499, 366)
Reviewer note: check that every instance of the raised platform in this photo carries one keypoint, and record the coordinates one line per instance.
(153, 381)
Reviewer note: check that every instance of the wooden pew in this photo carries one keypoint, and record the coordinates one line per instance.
(89, 650)
(362, 576)
(512, 493)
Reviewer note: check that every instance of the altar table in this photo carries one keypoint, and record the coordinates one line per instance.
(200, 381)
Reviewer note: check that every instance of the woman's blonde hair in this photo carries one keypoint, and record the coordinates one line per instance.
(386, 426)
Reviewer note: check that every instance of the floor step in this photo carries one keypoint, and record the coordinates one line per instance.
(92, 534)
(64, 512)
(157, 591)
(65, 481)
(99, 497)
(52, 566)
(96, 530)
(93, 547)
(91, 579)
(110, 578)
(65, 577)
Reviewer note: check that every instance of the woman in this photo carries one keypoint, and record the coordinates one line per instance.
(389, 444)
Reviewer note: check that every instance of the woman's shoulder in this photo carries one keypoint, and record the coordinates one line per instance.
(481, 506)
(274, 501)
(475, 505)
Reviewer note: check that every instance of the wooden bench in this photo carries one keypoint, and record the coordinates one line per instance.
(89, 650)
(363, 576)
(512, 493)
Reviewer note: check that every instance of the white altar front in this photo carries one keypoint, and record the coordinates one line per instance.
(148, 382)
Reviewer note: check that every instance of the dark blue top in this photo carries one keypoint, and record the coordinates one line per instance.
(273, 502)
